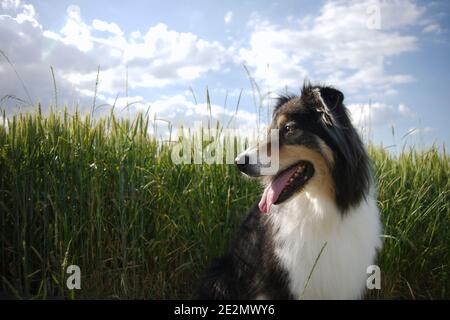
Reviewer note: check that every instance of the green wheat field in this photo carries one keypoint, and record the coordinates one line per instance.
(104, 195)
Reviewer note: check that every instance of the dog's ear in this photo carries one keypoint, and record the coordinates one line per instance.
(333, 98)
(327, 100)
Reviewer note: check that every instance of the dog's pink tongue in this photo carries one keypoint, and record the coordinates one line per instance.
(273, 191)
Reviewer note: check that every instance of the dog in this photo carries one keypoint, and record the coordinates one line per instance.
(317, 227)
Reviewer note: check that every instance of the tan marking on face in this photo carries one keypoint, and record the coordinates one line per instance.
(322, 179)
(265, 148)
(281, 120)
(326, 151)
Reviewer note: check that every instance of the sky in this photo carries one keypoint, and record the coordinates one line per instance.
(389, 58)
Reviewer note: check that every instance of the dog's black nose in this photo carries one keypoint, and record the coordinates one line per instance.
(242, 162)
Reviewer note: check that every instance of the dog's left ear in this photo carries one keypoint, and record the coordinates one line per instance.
(328, 99)
(332, 97)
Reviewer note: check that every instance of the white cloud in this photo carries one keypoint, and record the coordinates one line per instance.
(399, 13)
(24, 12)
(378, 114)
(169, 56)
(106, 26)
(336, 46)
(10, 4)
(32, 50)
(28, 14)
(75, 32)
(228, 16)
(156, 58)
(433, 28)
(179, 110)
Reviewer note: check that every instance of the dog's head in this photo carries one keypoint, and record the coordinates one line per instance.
(316, 146)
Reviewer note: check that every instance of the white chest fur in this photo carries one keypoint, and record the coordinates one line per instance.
(301, 228)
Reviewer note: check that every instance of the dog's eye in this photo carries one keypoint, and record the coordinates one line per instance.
(289, 128)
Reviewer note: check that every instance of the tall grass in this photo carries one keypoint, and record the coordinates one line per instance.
(104, 195)
(414, 198)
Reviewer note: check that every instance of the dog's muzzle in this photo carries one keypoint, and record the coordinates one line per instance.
(245, 164)
(253, 163)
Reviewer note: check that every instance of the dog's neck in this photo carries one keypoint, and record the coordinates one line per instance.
(310, 222)
(310, 209)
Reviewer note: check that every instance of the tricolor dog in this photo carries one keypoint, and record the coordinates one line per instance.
(317, 227)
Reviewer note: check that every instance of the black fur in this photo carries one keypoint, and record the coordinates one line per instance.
(282, 99)
(248, 268)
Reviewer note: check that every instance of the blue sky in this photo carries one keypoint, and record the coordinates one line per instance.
(390, 58)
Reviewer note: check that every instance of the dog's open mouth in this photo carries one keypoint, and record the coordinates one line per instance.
(285, 184)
